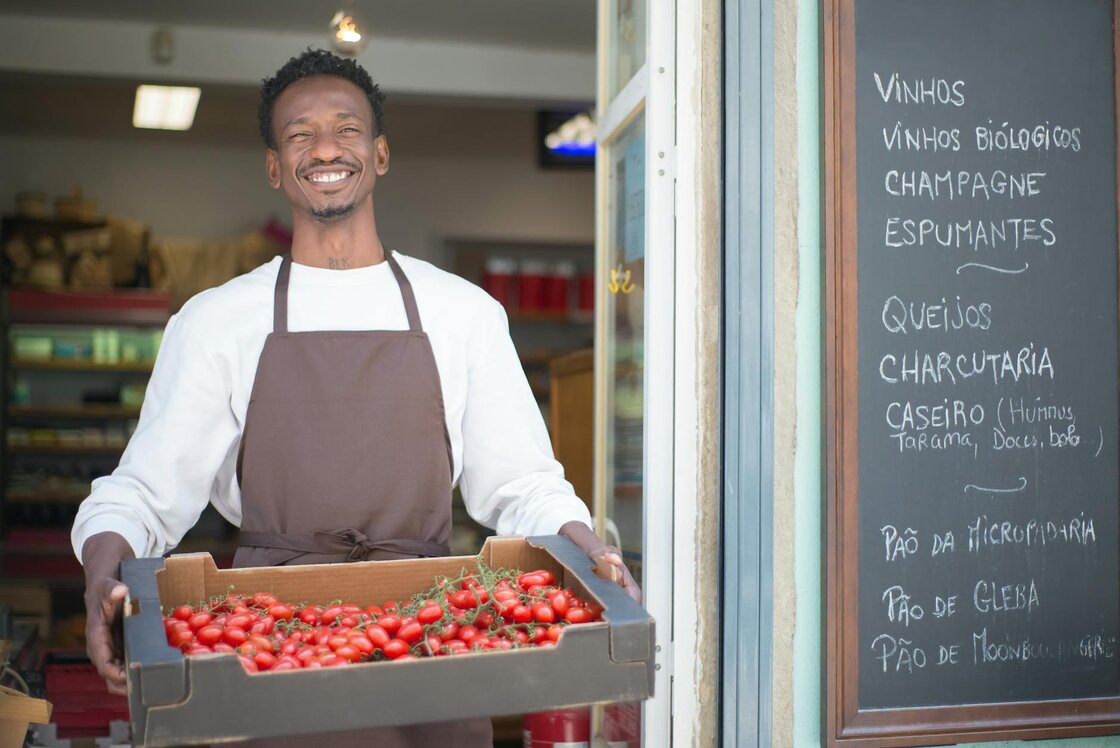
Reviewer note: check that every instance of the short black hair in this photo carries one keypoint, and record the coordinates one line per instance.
(309, 64)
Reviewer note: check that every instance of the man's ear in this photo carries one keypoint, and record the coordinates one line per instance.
(381, 155)
(272, 168)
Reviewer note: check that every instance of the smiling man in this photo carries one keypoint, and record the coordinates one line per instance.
(328, 401)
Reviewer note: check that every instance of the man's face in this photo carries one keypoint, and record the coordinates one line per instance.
(327, 155)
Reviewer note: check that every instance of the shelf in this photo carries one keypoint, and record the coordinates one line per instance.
(46, 497)
(73, 411)
(47, 449)
(137, 367)
(106, 307)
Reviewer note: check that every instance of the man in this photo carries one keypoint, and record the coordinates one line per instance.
(327, 402)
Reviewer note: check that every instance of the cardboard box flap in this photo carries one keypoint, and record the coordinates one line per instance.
(628, 620)
(164, 673)
(16, 706)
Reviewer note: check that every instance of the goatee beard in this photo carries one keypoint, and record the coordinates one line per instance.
(326, 215)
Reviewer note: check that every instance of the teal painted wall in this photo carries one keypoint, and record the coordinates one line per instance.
(807, 656)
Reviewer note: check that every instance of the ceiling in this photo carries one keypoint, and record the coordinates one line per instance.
(549, 24)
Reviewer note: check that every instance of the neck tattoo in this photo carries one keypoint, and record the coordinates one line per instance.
(338, 263)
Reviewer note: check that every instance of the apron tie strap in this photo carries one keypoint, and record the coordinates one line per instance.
(348, 543)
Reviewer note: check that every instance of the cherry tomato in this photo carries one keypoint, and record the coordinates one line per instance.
(390, 623)
(209, 635)
(390, 606)
(198, 620)
(521, 614)
(411, 631)
(378, 635)
(554, 633)
(546, 644)
(375, 611)
(264, 625)
(234, 636)
(337, 641)
(224, 648)
(349, 652)
(181, 639)
(484, 620)
(469, 582)
(464, 599)
(264, 660)
(449, 631)
(543, 613)
(183, 613)
(334, 661)
(432, 644)
(496, 643)
(595, 610)
(241, 621)
(331, 613)
(305, 655)
(310, 615)
(198, 649)
(467, 632)
(262, 643)
(577, 615)
(429, 614)
(248, 663)
(290, 646)
(262, 600)
(395, 649)
(455, 646)
(361, 641)
(285, 665)
(559, 602)
(280, 611)
(348, 621)
(530, 579)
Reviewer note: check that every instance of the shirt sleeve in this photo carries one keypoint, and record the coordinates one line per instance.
(169, 470)
(510, 480)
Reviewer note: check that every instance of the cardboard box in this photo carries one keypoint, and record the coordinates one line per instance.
(178, 700)
(18, 711)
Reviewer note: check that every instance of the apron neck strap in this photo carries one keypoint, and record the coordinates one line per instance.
(280, 303)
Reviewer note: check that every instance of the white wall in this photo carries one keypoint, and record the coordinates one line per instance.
(491, 191)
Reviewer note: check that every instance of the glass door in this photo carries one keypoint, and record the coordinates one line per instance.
(634, 327)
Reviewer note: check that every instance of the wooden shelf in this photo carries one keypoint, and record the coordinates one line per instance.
(48, 449)
(45, 497)
(73, 411)
(138, 367)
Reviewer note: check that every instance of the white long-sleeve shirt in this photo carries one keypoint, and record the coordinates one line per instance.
(184, 451)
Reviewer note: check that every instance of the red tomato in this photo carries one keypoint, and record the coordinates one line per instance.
(285, 665)
(183, 613)
(242, 621)
(209, 635)
(280, 611)
(577, 615)
(337, 641)
(262, 643)
(198, 649)
(361, 641)
(264, 660)
(455, 646)
(506, 607)
(530, 579)
(395, 649)
(331, 613)
(181, 639)
(349, 652)
(468, 632)
(554, 633)
(248, 663)
(264, 625)
(390, 606)
(224, 648)
(469, 582)
(543, 613)
(484, 620)
(262, 600)
(546, 643)
(549, 578)
(404, 657)
(521, 614)
(411, 631)
(433, 643)
(500, 643)
(375, 611)
(198, 620)
(334, 661)
(390, 623)
(305, 655)
(312, 664)
(540, 633)
(595, 610)
(378, 635)
(290, 646)
(464, 599)
(429, 614)
(310, 615)
(559, 601)
(234, 636)
(348, 621)
(449, 631)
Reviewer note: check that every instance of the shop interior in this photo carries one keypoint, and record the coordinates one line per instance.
(109, 227)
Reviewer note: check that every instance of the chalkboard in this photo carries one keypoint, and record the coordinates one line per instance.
(977, 495)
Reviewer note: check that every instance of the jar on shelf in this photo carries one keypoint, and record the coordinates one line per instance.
(559, 288)
(498, 277)
(531, 286)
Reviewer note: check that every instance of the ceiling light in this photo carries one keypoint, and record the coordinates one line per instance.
(165, 107)
(348, 32)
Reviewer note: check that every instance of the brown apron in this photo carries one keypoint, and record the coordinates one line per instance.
(345, 457)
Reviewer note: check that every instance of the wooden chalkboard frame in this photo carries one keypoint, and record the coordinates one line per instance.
(845, 724)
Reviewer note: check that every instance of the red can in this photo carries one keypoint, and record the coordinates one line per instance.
(498, 280)
(559, 288)
(559, 728)
(531, 286)
(586, 303)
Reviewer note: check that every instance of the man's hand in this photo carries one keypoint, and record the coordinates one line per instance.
(608, 559)
(105, 594)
